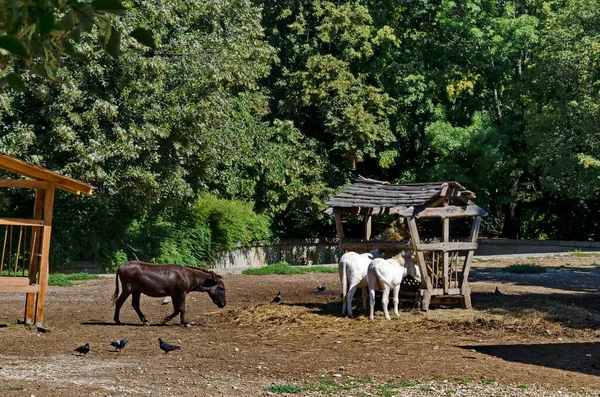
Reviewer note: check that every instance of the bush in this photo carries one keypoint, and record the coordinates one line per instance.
(286, 268)
(525, 268)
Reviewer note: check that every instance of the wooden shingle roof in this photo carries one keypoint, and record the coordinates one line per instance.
(372, 196)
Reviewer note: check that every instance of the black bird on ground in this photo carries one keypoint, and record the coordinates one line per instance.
(167, 347)
(119, 344)
(278, 298)
(497, 292)
(321, 288)
(85, 349)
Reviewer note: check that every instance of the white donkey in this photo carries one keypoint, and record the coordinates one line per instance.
(353, 274)
(386, 274)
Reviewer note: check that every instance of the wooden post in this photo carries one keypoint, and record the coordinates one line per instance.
(34, 261)
(465, 290)
(45, 252)
(340, 230)
(368, 227)
(446, 238)
(414, 236)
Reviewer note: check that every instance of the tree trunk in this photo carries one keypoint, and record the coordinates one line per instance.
(512, 221)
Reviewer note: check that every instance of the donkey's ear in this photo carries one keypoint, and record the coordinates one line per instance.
(209, 282)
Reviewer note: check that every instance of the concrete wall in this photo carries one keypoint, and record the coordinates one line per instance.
(327, 251)
(293, 251)
(510, 247)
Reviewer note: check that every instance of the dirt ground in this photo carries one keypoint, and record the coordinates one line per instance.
(539, 331)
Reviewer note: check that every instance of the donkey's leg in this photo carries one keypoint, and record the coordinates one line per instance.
(119, 302)
(135, 302)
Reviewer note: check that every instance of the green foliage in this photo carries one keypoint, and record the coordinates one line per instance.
(286, 268)
(230, 222)
(274, 268)
(525, 268)
(65, 280)
(40, 34)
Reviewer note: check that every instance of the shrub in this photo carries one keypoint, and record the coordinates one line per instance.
(525, 268)
(286, 268)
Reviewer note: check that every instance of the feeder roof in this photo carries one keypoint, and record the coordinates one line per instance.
(373, 196)
(16, 166)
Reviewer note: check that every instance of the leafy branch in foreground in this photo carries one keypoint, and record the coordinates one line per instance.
(36, 36)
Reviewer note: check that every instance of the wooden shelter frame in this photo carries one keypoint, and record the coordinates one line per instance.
(444, 274)
(27, 240)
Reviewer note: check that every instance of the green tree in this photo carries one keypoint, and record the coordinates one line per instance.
(35, 36)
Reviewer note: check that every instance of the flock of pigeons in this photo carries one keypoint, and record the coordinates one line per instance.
(120, 344)
(164, 346)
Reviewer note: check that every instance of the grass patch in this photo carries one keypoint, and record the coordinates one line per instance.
(488, 381)
(459, 379)
(579, 254)
(286, 268)
(65, 280)
(15, 388)
(525, 268)
(522, 386)
(280, 389)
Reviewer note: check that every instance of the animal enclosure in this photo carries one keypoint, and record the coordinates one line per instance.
(426, 212)
(24, 263)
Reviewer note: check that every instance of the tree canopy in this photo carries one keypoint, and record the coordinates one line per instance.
(275, 106)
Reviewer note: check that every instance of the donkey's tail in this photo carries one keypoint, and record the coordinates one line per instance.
(116, 294)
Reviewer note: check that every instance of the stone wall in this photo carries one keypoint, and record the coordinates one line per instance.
(327, 251)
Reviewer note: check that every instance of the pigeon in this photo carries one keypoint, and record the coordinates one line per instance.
(497, 292)
(278, 298)
(119, 344)
(321, 288)
(85, 349)
(167, 300)
(167, 347)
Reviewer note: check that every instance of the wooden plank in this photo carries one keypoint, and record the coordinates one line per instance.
(21, 222)
(35, 172)
(401, 211)
(453, 246)
(452, 211)
(45, 251)
(475, 229)
(368, 246)
(14, 281)
(21, 183)
(441, 292)
(29, 289)
(446, 239)
(425, 276)
(339, 228)
(34, 262)
(368, 227)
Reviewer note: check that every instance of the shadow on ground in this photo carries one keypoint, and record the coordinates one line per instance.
(577, 357)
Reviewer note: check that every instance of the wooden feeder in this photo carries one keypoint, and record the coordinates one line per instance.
(444, 261)
(24, 263)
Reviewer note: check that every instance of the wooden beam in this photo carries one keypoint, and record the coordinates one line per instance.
(29, 289)
(446, 239)
(451, 211)
(368, 222)
(34, 262)
(21, 222)
(14, 281)
(35, 172)
(368, 246)
(21, 183)
(425, 276)
(45, 252)
(453, 246)
(339, 228)
(401, 211)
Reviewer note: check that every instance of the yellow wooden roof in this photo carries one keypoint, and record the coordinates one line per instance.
(12, 164)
